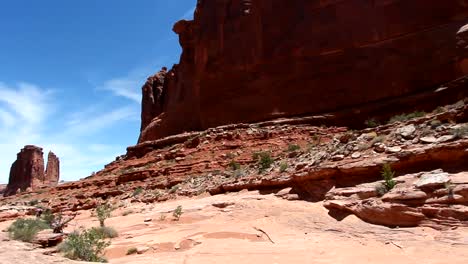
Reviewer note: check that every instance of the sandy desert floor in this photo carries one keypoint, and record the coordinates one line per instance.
(226, 229)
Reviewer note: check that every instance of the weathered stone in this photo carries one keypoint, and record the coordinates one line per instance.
(428, 140)
(433, 179)
(395, 149)
(407, 132)
(142, 249)
(47, 238)
(356, 155)
(445, 138)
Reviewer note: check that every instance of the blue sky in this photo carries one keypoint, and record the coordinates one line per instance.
(71, 74)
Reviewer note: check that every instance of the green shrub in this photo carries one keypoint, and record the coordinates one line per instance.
(293, 147)
(264, 160)
(283, 166)
(137, 191)
(177, 213)
(86, 246)
(48, 217)
(106, 232)
(33, 202)
(406, 117)
(372, 122)
(26, 229)
(132, 250)
(234, 165)
(103, 212)
(460, 132)
(389, 183)
(174, 189)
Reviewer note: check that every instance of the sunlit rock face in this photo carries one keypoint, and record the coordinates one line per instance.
(252, 60)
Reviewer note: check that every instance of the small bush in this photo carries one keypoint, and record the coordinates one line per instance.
(283, 166)
(460, 132)
(264, 160)
(103, 212)
(48, 217)
(177, 213)
(162, 217)
(132, 250)
(106, 232)
(389, 183)
(33, 202)
(26, 229)
(293, 147)
(127, 212)
(137, 191)
(234, 165)
(174, 189)
(372, 122)
(406, 117)
(87, 246)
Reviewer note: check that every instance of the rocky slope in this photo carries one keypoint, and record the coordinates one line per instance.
(253, 60)
(27, 172)
(313, 162)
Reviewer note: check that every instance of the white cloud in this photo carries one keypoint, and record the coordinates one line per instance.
(125, 87)
(25, 112)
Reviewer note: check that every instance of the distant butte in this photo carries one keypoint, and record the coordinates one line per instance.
(27, 172)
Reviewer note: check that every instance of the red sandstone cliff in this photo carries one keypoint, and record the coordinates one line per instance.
(28, 171)
(250, 60)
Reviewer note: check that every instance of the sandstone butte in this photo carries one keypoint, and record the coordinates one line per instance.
(249, 61)
(272, 133)
(27, 172)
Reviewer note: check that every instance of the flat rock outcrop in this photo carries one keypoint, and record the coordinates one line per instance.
(27, 172)
(248, 61)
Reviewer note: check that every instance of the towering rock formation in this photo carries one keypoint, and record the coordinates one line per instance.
(52, 173)
(252, 60)
(28, 171)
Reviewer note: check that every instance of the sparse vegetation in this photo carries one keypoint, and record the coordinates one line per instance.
(293, 147)
(389, 183)
(127, 212)
(449, 187)
(26, 229)
(372, 122)
(86, 246)
(460, 132)
(174, 189)
(132, 250)
(264, 160)
(435, 123)
(234, 165)
(33, 202)
(283, 166)
(103, 212)
(137, 191)
(106, 232)
(162, 217)
(177, 213)
(406, 117)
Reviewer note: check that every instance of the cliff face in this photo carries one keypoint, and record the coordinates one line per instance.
(250, 60)
(28, 171)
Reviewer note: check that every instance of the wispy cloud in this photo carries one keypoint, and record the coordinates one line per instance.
(25, 114)
(124, 87)
(188, 15)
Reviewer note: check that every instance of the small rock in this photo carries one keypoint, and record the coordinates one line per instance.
(301, 165)
(393, 149)
(356, 155)
(379, 148)
(415, 141)
(338, 157)
(283, 192)
(433, 179)
(222, 204)
(148, 220)
(428, 140)
(142, 249)
(407, 132)
(445, 138)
